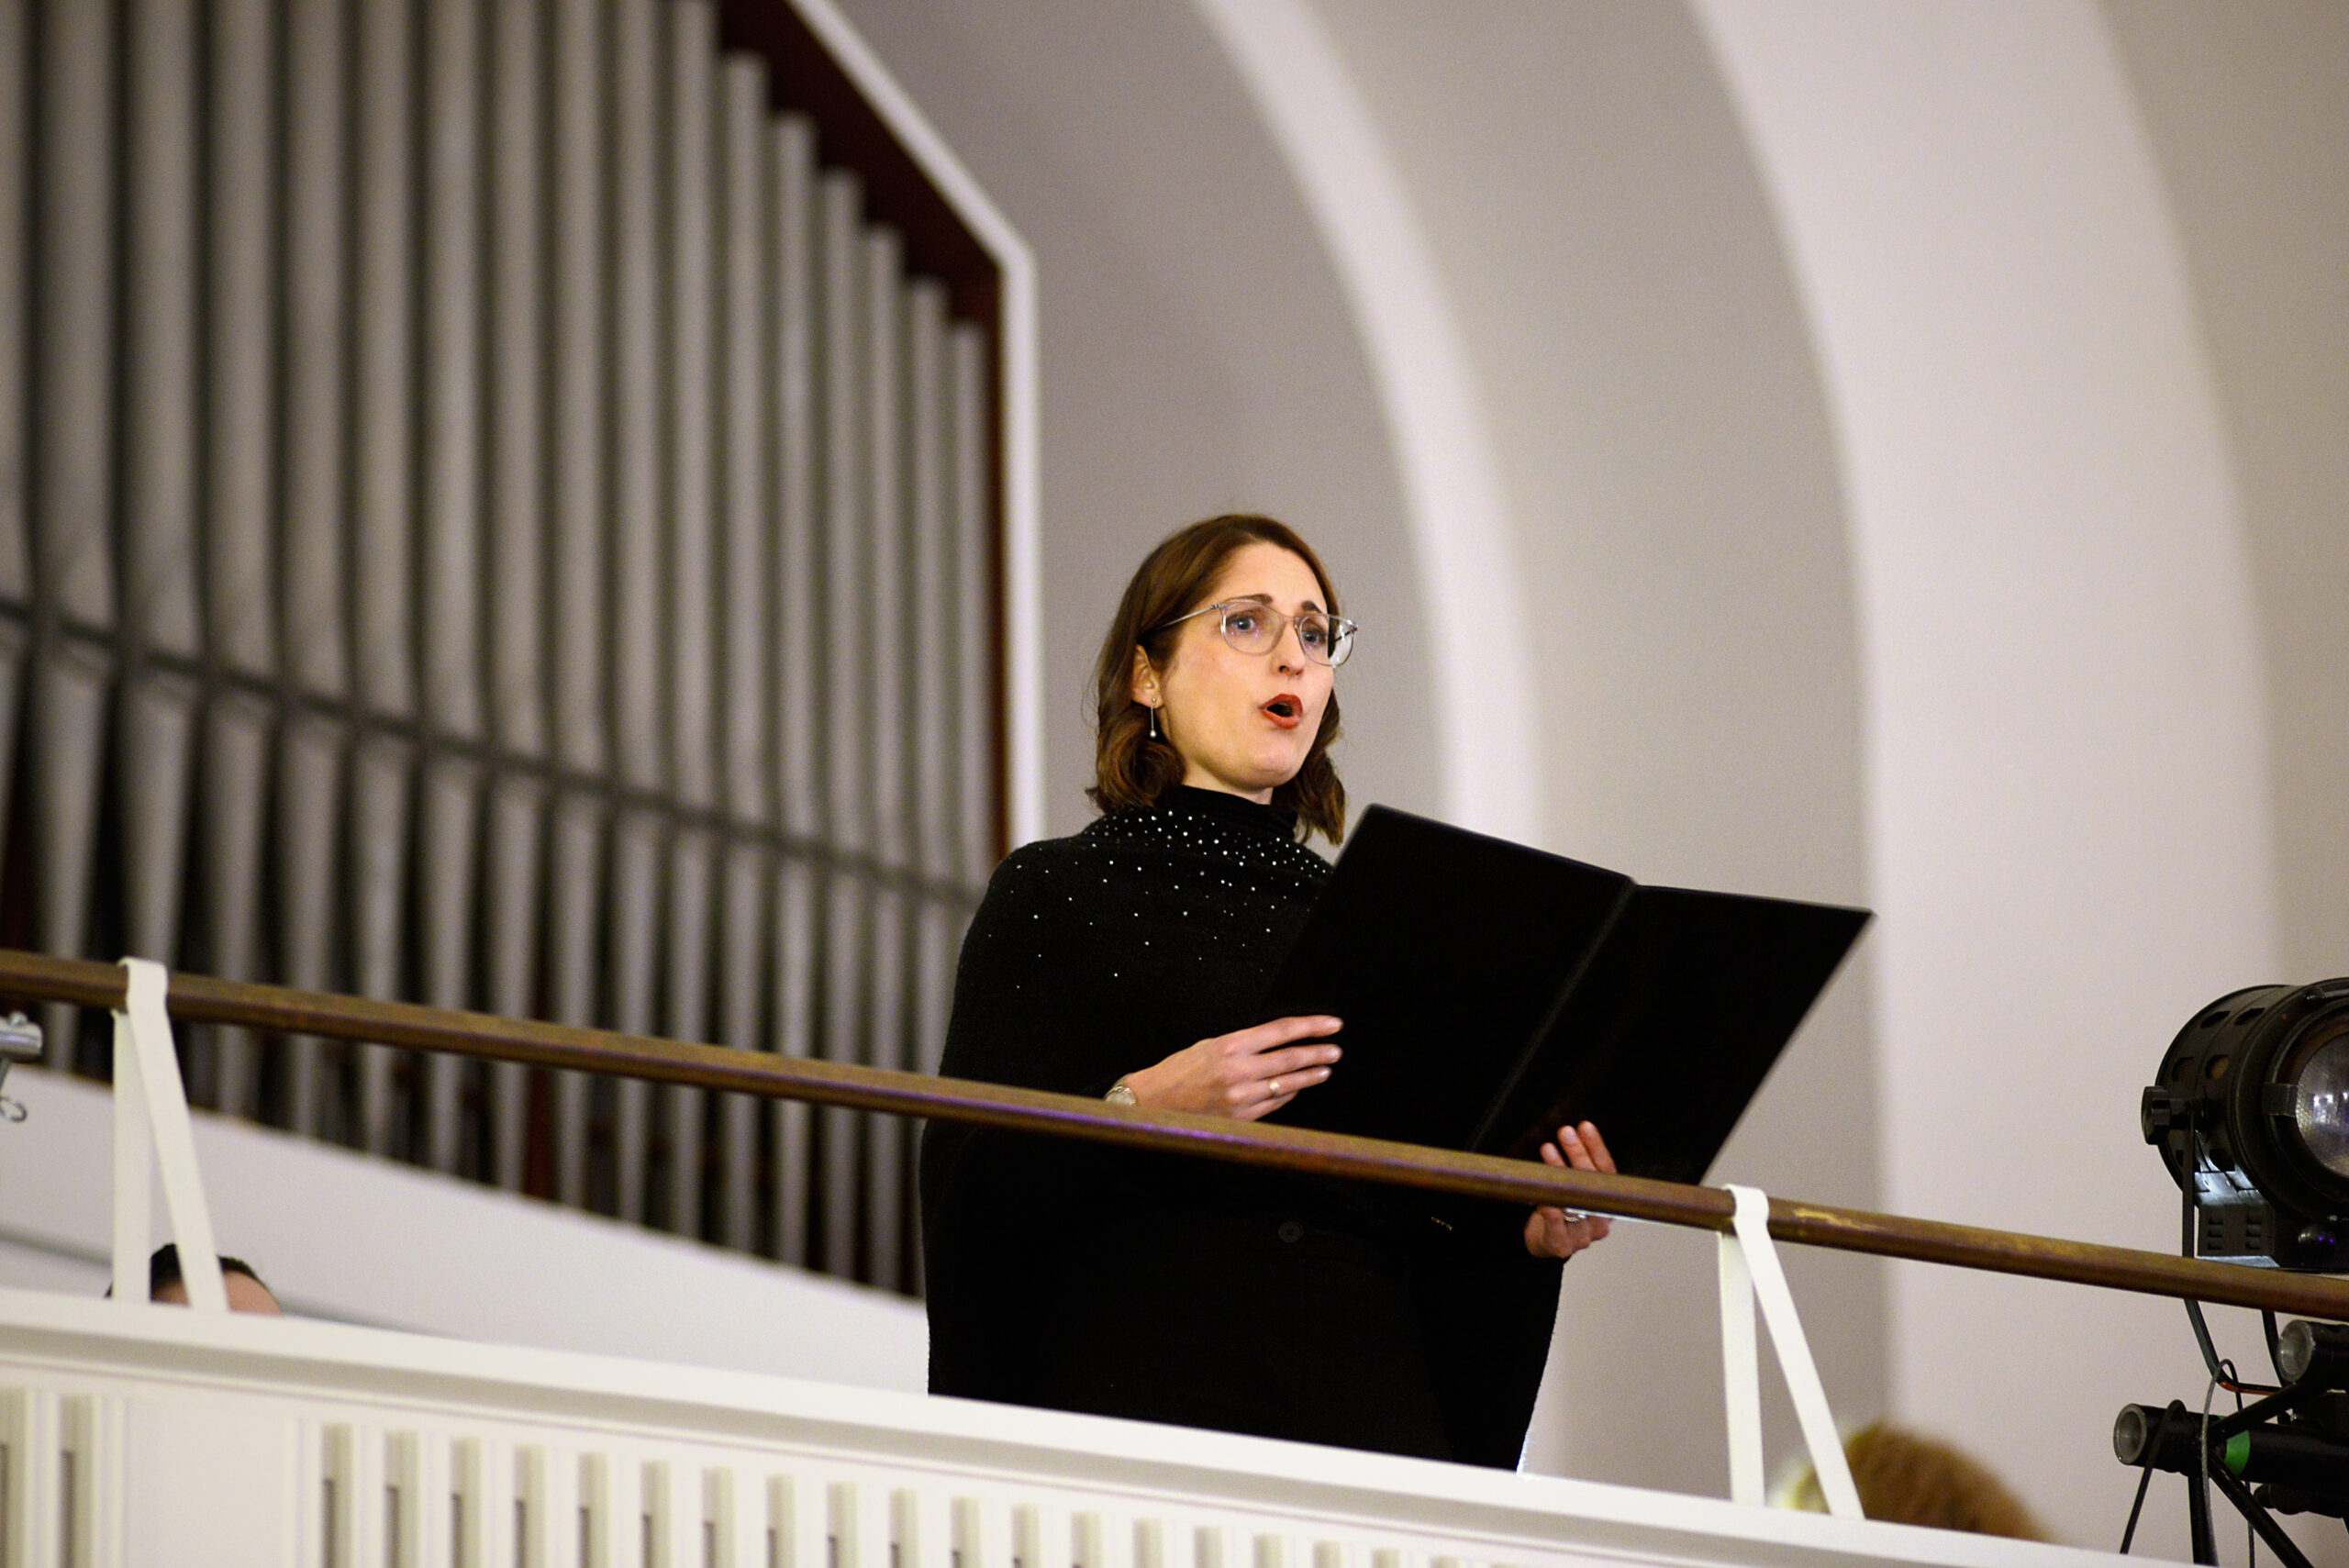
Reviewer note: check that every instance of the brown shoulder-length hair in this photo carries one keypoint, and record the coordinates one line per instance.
(1131, 768)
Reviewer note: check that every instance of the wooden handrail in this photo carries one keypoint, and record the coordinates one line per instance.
(196, 998)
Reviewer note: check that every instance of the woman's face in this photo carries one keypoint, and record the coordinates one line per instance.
(1242, 722)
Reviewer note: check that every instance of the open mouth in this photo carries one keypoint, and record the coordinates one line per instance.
(1285, 711)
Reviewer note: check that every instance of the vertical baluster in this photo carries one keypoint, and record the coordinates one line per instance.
(575, 953)
(16, 284)
(377, 863)
(578, 539)
(799, 1522)
(548, 1482)
(635, 934)
(449, 840)
(794, 946)
(318, 345)
(672, 1513)
(310, 788)
(482, 1474)
(735, 1504)
(741, 991)
(974, 577)
(234, 795)
(611, 1511)
(159, 329)
(73, 308)
(692, 879)
(383, 438)
(510, 910)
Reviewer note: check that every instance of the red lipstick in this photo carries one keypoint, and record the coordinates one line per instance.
(1285, 711)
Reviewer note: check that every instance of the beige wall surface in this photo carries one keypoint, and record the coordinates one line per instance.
(2248, 108)
(1196, 354)
(1610, 257)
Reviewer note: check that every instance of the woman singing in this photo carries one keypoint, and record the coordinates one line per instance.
(1122, 963)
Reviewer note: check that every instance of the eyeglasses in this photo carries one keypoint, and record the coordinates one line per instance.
(1254, 627)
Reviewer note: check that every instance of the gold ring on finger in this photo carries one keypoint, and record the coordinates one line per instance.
(1276, 1088)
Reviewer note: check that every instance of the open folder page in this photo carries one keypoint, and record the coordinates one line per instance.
(1491, 992)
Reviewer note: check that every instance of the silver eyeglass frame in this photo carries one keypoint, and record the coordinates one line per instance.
(1342, 630)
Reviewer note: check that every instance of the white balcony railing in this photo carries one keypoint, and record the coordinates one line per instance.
(138, 1435)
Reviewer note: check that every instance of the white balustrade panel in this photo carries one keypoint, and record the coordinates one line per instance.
(137, 1434)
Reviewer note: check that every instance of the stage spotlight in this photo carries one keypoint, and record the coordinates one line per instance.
(2251, 1114)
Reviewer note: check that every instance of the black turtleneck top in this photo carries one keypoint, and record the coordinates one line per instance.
(1180, 1290)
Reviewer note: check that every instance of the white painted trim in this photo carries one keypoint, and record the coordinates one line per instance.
(1456, 501)
(1018, 386)
(374, 1379)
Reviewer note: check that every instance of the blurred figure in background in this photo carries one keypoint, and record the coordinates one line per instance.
(1911, 1479)
(245, 1293)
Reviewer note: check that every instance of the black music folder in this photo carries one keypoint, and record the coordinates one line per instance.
(1492, 992)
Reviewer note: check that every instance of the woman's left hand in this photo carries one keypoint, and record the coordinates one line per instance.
(1554, 1232)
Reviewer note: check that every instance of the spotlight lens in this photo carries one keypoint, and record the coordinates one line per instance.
(2321, 1105)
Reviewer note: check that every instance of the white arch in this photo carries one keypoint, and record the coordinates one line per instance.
(1454, 501)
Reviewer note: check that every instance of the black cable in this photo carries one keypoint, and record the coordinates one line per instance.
(2275, 1343)
(2129, 1533)
(2258, 1516)
(2202, 1337)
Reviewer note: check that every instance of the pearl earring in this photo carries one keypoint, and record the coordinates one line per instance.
(1153, 721)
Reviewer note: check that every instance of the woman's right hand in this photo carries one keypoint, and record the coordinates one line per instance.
(1245, 1074)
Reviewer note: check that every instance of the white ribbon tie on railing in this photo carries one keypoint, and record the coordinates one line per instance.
(1749, 1268)
(151, 1129)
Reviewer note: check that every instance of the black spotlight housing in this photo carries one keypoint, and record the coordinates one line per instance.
(2251, 1114)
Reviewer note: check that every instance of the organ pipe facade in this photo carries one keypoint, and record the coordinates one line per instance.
(494, 511)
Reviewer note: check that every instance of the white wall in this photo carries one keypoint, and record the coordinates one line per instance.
(1660, 429)
(2248, 111)
(2066, 735)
